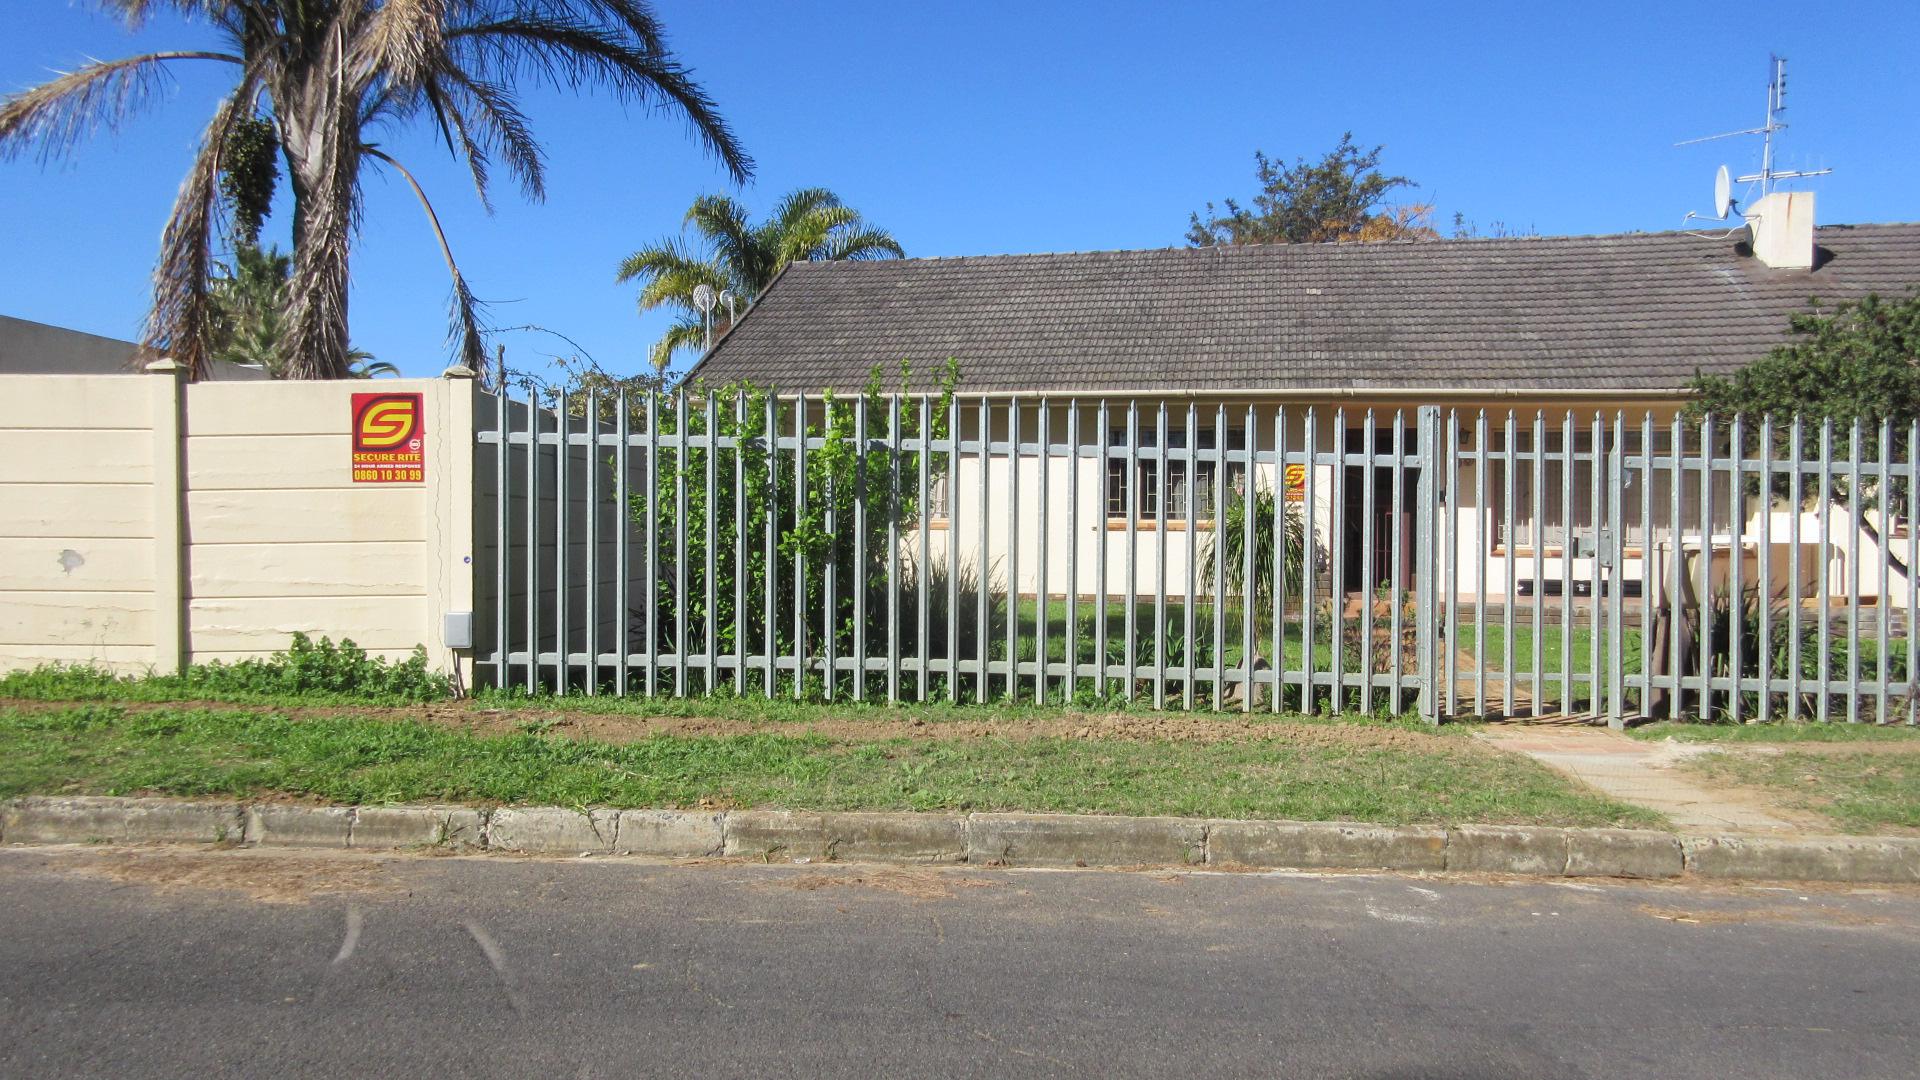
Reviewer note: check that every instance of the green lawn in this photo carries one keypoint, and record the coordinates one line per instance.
(1391, 773)
(1467, 637)
(1146, 640)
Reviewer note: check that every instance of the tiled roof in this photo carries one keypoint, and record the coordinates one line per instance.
(1637, 311)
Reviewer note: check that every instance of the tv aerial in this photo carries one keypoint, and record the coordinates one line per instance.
(1768, 175)
(703, 299)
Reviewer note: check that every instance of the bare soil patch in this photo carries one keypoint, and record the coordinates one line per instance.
(913, 884)
(1822, 914)
(273, 879)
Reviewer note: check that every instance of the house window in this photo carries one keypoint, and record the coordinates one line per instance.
(1542, 518)
(1146, 478)
(937, 507)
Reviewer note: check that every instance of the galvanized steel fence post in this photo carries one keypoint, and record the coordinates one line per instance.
(1725, 567)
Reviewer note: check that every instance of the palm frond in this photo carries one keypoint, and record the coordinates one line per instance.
(676, 287)
(59, 113)
(464, 326)
(573, 53)
(808, 235)
(632, 15)
(497, 126)
(451, 121)
(862, 244)
(136, 12)
(181, 324)
(364, 366)
(801, 203)
(685, 334)
(723, 224)
(249, 302)
(403, 40)
(653, 259)
(669, 274)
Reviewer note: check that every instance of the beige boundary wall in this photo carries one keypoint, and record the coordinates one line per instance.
(147, 523)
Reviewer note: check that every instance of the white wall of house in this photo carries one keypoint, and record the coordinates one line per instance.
(1491, 554)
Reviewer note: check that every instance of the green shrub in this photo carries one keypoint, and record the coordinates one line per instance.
(307, 668)
(1773, 657)
(809, 510)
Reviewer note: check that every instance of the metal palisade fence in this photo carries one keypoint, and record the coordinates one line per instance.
(1181, 554)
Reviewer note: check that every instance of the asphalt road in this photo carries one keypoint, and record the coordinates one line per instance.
(170, 962)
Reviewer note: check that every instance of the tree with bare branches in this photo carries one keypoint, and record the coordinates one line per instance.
(331, 75)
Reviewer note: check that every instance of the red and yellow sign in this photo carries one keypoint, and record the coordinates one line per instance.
(389, 439)
(1296, 485)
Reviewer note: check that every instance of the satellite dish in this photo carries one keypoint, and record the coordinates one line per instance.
(1722, 192)
(703, 298)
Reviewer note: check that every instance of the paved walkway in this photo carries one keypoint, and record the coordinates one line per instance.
(1645, 773)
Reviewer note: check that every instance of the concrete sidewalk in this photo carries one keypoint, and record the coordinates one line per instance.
(1645, 773)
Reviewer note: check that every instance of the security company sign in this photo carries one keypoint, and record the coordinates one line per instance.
(1296, 477)
(389, 439)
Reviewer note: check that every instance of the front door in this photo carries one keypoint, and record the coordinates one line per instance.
(1373, 559)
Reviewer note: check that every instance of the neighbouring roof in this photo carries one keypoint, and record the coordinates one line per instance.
(1631, 312)
(37, 348)
(28, 348)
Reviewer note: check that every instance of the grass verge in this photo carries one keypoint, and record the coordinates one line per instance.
(1862, 790)
(1776, 733)
(1301, 770)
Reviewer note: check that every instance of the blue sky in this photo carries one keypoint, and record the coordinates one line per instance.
(990, 128)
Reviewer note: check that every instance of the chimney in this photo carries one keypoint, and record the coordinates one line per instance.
(1782, 227)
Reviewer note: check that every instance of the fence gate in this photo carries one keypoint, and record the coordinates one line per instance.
(1175, 554)
(1531, 577)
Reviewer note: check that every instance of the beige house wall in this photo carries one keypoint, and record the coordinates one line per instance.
(1075, 494)
(146, 522)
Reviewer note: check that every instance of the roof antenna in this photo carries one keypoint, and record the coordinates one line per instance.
(1768, 175)
(703, 299)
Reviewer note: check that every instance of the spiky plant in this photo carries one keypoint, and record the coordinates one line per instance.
(249, 309)
(1228, 543)
(731, 253)
(331, 75)
(250, 301)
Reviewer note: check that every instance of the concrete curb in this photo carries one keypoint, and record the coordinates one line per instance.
(976, 839)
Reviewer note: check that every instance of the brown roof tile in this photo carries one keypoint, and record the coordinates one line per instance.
(1638, 311)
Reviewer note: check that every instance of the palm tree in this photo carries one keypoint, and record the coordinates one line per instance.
(331, 74)
(249, 304)
(809, 225)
